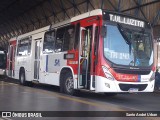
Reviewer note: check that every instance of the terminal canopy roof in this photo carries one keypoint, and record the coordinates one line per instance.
(21, 16)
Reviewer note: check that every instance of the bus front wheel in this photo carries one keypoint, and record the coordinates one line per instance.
(68, 84)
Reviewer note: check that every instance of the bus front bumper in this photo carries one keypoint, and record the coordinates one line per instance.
(105, 85)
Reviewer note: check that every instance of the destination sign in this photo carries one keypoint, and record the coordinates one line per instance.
(125, 20)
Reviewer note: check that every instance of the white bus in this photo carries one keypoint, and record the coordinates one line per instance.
(98, 51)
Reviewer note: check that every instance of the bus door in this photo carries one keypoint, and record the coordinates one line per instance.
(11, 60)
(85, 68)
(37, 60)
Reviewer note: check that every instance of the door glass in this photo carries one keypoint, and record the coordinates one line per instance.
(37, 60)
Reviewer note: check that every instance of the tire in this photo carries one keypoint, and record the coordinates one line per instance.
(68, 84)
(22, 78)
(110, 94)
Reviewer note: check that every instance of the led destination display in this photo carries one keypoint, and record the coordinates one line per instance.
(125, 20)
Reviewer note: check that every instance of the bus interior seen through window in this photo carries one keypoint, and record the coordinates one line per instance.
(63, 41)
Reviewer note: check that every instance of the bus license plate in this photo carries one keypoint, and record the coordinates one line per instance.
(133, 90)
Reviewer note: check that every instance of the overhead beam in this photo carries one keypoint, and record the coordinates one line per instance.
(119, 5)
(53, 11)
(139, 8)
(143, 5)
(155, 19)
(63, 9)
(112, 5)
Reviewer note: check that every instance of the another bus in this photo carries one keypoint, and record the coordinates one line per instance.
(98, 51)
(3, 59)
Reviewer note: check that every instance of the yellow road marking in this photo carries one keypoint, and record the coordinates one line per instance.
(104, 106)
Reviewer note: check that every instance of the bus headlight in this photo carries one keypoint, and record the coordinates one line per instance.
(152, 77)
(108, 75)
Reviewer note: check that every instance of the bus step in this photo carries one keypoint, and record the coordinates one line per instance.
(86, 90)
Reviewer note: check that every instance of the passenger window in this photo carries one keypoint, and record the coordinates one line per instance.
(69, 38)
(24, 46)
(49, 42)
(59, 39)
(65, 38)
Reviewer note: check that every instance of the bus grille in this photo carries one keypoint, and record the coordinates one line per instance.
(126, 87)
(127, 71)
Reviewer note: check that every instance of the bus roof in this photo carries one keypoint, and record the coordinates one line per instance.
(34, 32)
(88, 14)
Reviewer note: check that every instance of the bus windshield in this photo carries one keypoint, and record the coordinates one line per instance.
(127, 46)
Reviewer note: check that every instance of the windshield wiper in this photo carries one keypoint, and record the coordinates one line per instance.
(121, 30)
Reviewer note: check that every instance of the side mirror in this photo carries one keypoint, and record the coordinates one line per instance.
(104, 31)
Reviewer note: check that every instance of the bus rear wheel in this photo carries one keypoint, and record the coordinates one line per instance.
(68, 84)
(22, 78)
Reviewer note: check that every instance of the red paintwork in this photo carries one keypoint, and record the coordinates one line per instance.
(84, 23)
(97, 70)
(11, 43)
(74, 66)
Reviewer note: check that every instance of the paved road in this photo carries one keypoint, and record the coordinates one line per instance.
(14, 97)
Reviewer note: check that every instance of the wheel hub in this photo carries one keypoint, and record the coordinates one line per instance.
(69, 84)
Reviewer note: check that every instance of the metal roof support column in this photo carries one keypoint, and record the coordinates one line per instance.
(119, 5)
(102, 4)
(142, 5)
(136, 12)
(74, 6)
(32, 22)
(155, 19)
(112, 5)
(89, 2)
(87, 5)
(139, 8)
(45, 16)
(64, 10)
(38, 20)
(53, 11)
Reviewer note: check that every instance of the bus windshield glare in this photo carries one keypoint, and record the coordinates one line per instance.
(127, 46)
